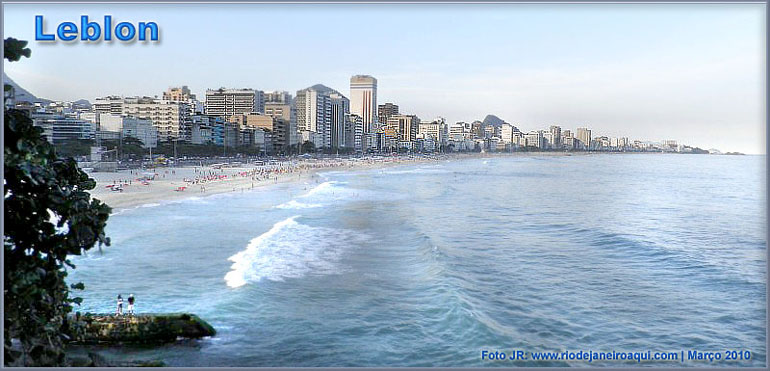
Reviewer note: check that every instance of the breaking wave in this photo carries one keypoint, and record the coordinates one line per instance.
(290, 250)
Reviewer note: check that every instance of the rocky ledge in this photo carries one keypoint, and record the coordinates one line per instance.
(138, 329)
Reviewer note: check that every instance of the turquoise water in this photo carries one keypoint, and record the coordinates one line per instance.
(428, 265)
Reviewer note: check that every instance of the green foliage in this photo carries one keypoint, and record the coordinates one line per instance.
(74, 147)
(128, 147)
(38, 184)
(208, 150)
(308, 147)
(15, 49)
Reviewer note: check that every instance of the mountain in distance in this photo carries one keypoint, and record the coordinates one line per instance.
(324, 88)
(83, 103)
(21, 94)
(493, 120)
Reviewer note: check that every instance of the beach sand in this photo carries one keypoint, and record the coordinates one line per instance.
(162, 184)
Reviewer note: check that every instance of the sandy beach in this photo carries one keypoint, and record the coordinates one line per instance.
(131, 188)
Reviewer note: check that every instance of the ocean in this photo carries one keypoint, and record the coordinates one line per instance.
(431, 264)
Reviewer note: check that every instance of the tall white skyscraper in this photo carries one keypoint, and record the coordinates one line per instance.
(363, 100)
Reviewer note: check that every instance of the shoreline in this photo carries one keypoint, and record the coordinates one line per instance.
(164, 184)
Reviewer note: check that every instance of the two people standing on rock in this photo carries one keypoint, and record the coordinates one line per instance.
(119, 311)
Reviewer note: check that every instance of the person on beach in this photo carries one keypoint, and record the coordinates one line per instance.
(119, 311)
(131, 304)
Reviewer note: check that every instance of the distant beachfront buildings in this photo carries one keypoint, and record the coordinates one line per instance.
(317, 118)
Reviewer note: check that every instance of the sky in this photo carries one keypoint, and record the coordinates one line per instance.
(690, 72)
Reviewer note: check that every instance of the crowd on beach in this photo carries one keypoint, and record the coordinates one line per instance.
(153, 184)
(269, 172)
(118, 184)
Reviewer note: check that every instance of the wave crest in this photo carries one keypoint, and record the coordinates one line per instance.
(290, 250)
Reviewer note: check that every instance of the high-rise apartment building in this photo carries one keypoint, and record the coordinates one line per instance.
(506, 132)
(355, 132)
(202, 128)
(228, 102)
(179, 94)
(282, 97)
(126, 126)
(314, 114)
(363, 100)
(171, 119)
(384, 111)
(436, 130)
(548, 140)
(255, 129)
(285, 135)
(477, 129)
(584, 136)
(254, 120)
(111, 104)
(183, 94)
(556, 135)
(534, 139)
(340, 109)
(404, 126)
(62, 127)
(459, 132)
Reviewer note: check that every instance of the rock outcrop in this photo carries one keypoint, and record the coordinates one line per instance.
(144, 328)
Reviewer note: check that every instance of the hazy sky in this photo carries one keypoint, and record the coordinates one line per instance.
(691, 72)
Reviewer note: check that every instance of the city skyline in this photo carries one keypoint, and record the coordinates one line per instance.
(691, 73)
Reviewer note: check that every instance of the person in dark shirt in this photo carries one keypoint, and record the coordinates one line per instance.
(131, 304)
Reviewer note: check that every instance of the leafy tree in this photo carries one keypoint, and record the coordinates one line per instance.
(49, 215)
(74, 147)
(308, 147)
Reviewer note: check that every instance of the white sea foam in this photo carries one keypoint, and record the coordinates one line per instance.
(118, 211)
(293, 205)
(416, 171)
(290, 250)
(322, 194)
(127, 209)
(335, 191)
(324, 188)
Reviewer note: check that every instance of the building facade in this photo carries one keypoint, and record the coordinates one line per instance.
(171, 119)
(179, 94)
(340, 111)
(127, 126)
(59, 128)
(583, 135)
(363, 100)
(285, 135)
(384, 111)
(228, 102)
